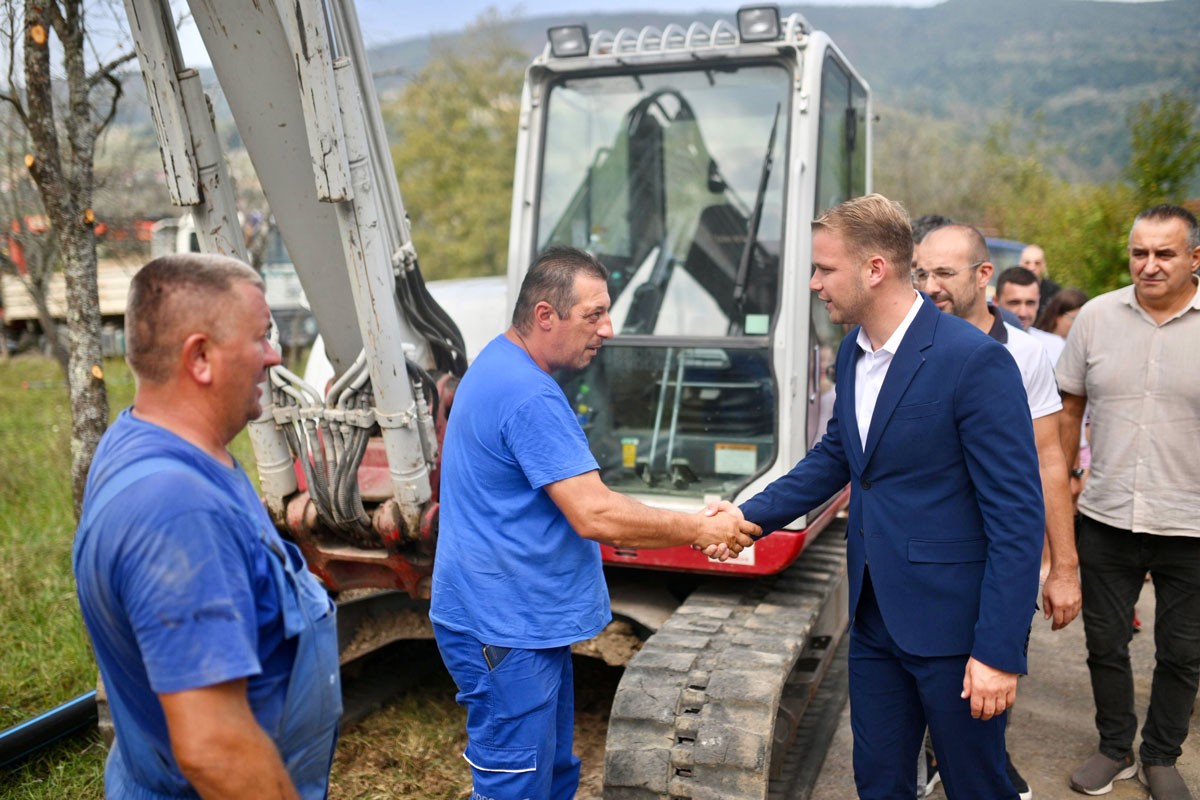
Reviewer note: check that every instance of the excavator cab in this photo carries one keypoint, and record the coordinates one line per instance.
(676, 170)
(690, 163)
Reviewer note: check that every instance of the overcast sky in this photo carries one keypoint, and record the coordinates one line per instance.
(429, 18)
(424, 17)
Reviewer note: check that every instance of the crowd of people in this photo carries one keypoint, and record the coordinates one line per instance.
(959, 423)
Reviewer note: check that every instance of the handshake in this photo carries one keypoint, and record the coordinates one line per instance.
(723, 532)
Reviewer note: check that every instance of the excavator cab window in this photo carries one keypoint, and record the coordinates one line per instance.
(675, 181)
(841, 175)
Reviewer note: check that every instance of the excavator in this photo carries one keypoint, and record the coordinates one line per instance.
(689, 159)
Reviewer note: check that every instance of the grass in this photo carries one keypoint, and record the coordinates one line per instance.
(45, 656)
(410, 748)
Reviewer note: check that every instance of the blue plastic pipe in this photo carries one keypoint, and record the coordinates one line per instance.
(25, 739)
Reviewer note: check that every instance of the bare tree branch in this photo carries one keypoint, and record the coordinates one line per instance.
(107, 70)
(118, 90)
(40, 116)
(11, 33)
(10, 96)
(58, 22)
(15, 102)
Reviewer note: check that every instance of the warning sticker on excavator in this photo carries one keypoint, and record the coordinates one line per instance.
(735, 459)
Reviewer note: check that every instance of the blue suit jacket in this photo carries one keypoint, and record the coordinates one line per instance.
(946, 500)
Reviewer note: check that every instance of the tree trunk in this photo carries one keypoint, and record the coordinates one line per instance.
(85, 370)
(39, 290)
(65, 180)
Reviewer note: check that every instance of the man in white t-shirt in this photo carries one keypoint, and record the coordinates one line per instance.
(1019, 290)
(954, 270)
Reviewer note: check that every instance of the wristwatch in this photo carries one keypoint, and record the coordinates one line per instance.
(1077, 472)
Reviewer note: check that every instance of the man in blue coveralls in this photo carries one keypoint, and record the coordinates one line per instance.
(518, 576)
(217, 647)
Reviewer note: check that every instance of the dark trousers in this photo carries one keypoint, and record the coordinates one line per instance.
(1113, 567)
(893, 695)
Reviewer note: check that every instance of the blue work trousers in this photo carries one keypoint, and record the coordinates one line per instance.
(520, 717)
(1113, 566)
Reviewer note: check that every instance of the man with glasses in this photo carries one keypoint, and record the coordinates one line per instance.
(954, 270)
(922, 226)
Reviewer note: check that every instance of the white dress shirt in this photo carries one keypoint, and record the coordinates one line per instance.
(872, 368)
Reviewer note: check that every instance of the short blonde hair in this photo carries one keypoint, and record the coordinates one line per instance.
(872, 224)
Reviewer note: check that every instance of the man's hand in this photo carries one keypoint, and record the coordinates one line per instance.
(1076, 490)
(723, 533)
(1061, 597)
(718, 506)
(748, 530)
(990, 691)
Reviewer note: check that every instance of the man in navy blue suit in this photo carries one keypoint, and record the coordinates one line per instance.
(932, 430)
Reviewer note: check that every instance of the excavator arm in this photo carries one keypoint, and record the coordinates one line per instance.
(297, 82)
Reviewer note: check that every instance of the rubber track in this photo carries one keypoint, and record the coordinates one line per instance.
(695, 714)
(803, 763)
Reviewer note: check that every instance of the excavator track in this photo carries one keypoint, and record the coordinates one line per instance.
(711, 706)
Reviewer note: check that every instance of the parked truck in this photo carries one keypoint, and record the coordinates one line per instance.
(689, 159)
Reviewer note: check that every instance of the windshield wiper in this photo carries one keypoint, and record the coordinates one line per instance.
(743, 271)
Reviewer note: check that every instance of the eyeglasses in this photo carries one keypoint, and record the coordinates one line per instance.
(943, 274)
(1069, 314)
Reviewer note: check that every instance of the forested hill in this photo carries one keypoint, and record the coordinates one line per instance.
(1078, 66)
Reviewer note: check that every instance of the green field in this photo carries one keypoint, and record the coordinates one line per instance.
(411, 748)
(45, 657)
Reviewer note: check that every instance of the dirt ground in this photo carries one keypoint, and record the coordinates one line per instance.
(595, 685)
(412, 747)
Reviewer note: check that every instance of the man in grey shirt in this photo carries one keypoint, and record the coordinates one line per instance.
(1130, 354)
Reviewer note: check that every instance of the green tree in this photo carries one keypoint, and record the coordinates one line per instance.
(1021, 187)
(1082, 227)
(931, 165)
(1165, 148)
(457, 128)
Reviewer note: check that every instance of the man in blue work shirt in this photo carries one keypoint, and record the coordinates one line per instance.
(218, 649)
(518, 576)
